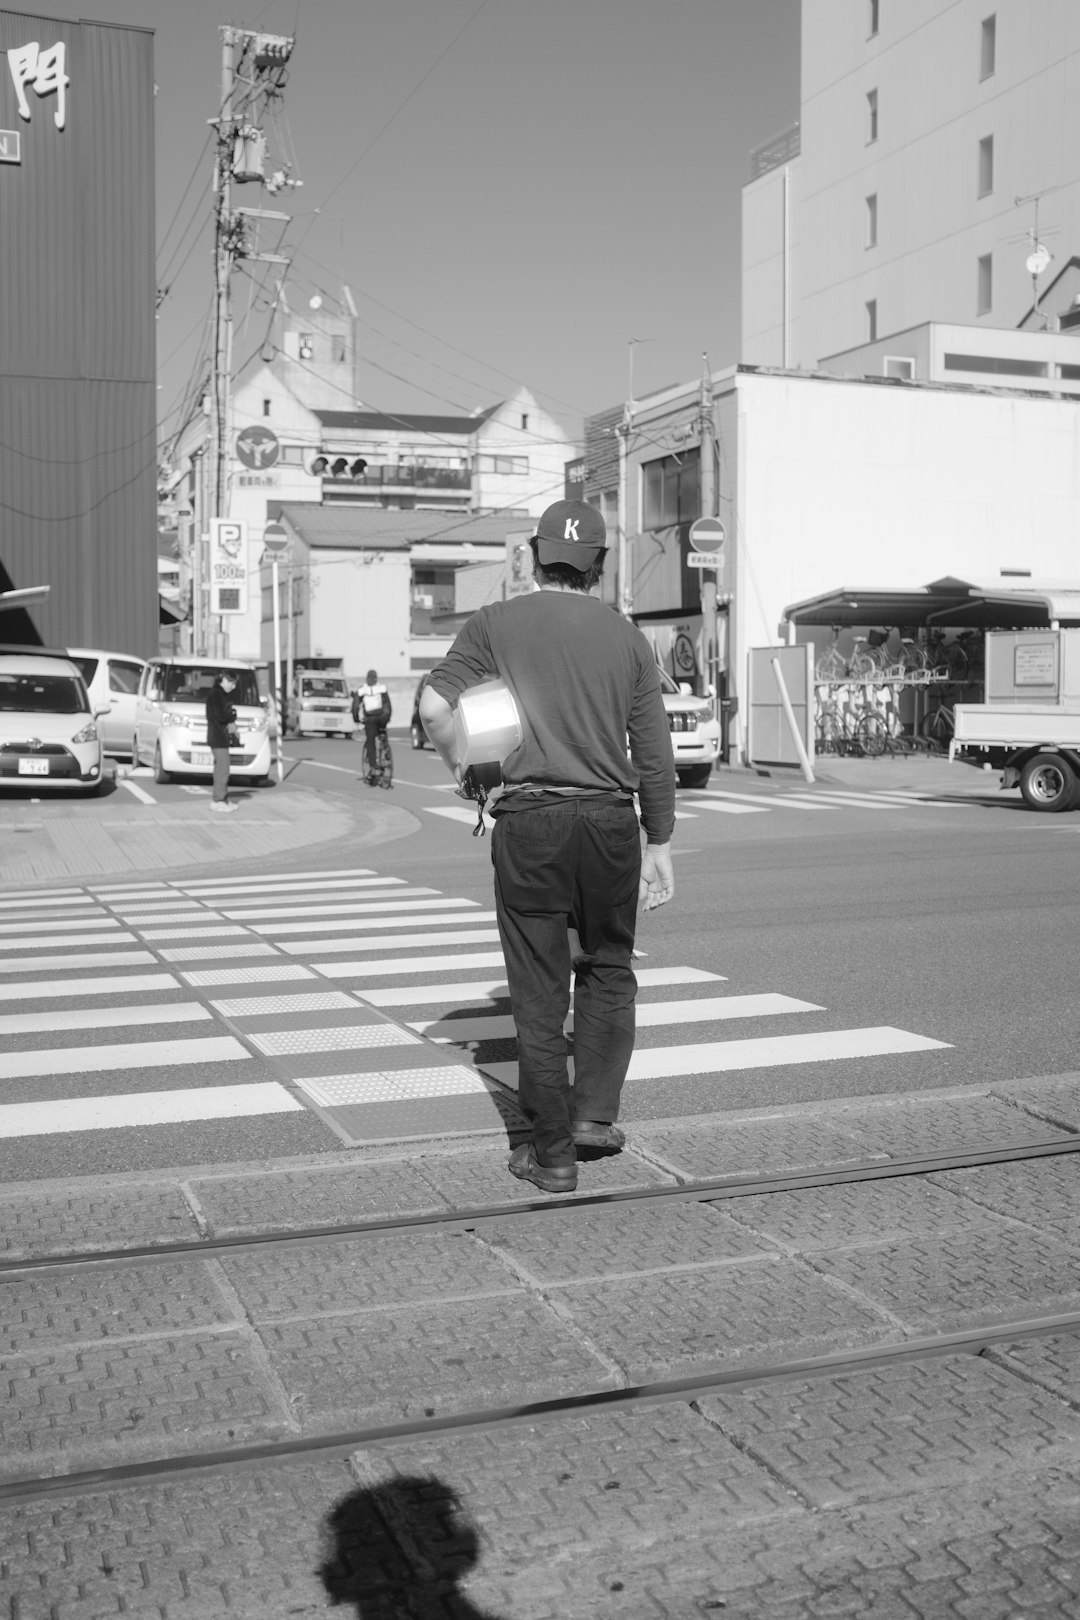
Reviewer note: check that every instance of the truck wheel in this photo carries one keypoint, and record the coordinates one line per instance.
(1048, 782)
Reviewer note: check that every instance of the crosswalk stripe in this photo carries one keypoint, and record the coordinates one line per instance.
(47, 897)
(366, 908)
(837, 801)
(14, 942)
(395, 899)
(129, 1055)
(85, 959)
(354, 888)
(208, 930)
(52, 927)
(170, 1012)
(393, 942)
(769, 1051)
(344, 925)
(649, 1014)
(408, 964)
(121, 984)
(206, 885)
(481, 991)
(718, 801)
(727, 807)
(145, 1108)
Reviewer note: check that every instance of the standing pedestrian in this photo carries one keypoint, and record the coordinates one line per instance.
(371, 704)
(220, 732)
(567, 846)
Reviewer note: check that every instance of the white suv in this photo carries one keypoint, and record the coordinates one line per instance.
(695, 733)
(170, 720)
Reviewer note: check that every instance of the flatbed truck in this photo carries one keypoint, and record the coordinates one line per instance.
(1029, 727)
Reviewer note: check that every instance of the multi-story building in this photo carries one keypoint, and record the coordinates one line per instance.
(933, 175)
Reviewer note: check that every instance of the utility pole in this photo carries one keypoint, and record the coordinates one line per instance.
(707, 475)
(252, 76)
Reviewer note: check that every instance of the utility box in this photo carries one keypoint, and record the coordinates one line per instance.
(1025, 667)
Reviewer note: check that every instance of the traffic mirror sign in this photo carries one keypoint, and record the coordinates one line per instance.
(707, 534)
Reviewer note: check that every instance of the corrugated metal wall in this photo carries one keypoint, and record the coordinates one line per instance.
(77, 335)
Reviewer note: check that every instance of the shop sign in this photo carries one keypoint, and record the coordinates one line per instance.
(228, 566)
(43, 72)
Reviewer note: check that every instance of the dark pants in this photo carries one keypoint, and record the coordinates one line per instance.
(557, 866)
(371, 731)
(221, 773)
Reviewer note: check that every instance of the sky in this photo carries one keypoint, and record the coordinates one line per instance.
(513, 190)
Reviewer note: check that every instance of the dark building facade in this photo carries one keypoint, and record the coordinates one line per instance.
(77, 333)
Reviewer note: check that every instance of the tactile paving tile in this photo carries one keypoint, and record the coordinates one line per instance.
(190, 953)
(192, 930)
(332, 1090)
(255, 1006)
(279, 1043)
(265, 973)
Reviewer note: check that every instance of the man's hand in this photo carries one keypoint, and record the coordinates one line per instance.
(657, 884)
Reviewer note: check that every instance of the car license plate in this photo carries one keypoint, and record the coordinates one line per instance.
(33, 767)
(202, 756)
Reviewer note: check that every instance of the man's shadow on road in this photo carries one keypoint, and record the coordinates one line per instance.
(399, 1551)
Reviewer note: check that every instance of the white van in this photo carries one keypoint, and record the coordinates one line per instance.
(170, 720)
(112, 680)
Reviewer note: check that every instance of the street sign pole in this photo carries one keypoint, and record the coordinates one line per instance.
(275, 540)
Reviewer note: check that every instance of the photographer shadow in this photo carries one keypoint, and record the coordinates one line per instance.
(399, 1550)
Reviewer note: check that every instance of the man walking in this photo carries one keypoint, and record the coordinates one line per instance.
(567, 846)
(220, 718)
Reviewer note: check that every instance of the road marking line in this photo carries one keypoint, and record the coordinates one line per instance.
(126, 1055)
(394, 942)
(480, 991)
(145, 1108)
(324, 765)
(649, 1014)
(343, 924)
(122, 984)
(135, 790)
(295, 893)
(354, 905)
(28, 927)
(727, 809)
(194, 953)
(51, 897)
(15, 943)
(760, 801)
(85, 959)
(770, 1051)
(169, 1012)
(216, 885)
(409, 964)
(685, 815)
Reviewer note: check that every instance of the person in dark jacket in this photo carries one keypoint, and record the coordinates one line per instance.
(220, 719)
(567, 847)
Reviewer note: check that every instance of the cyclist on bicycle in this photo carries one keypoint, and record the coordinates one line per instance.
(371, 703)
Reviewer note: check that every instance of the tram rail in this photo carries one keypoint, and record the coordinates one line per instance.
(686, 1389)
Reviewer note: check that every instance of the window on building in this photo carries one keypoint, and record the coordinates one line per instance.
(670, 490)
(524, 421)
(988, 48)
(433, 593)
(899, 365)
(873, 10)
(871, 220)
(515, 466)
(984, 296)
(266, 407)
(986, 165)
(871, 320)
(871, 117)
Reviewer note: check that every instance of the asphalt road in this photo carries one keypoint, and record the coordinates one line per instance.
(941, 926)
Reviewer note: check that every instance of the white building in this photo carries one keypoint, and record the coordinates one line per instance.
(937, 148)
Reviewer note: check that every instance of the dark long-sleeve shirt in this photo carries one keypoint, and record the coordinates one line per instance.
(219, 716)
(585, 681)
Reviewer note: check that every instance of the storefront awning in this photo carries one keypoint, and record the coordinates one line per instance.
(954, 602)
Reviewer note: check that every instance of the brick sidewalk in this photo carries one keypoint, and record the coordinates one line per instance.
(938, 1487)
